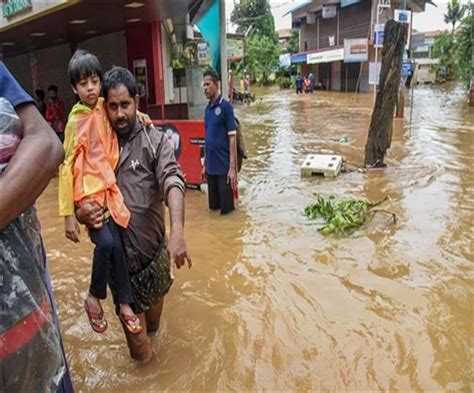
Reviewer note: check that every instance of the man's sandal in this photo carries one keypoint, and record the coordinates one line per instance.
(132, 323)
(97, 320)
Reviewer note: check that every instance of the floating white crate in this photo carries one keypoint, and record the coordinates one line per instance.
(321, 164)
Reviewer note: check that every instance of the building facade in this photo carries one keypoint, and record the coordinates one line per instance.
(337, 39)
(38, 38)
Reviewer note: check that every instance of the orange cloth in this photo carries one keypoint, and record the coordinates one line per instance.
(92, 154)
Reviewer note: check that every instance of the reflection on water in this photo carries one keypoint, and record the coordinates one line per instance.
(270, 304)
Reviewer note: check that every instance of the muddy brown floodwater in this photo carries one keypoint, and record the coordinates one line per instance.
(270, 304)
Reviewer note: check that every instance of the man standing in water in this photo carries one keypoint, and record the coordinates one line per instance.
(220, 161)
(299, 84)
(147, 175)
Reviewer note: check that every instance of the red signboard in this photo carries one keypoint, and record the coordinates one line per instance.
(187, 139)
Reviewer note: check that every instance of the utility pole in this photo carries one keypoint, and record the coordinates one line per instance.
(224, 74)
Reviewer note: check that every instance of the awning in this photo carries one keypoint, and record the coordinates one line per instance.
(57, 22)
(297, 7)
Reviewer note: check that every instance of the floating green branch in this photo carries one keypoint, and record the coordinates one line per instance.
(344, 216)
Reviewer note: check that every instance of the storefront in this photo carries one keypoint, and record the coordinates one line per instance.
(338, 68)
(38, 38)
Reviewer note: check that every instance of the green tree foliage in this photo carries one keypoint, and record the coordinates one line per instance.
(454, 14)
(464, 50)
(444, 49)
(254, 18)
(344, 216)
(255, 15)
(294, 43)
(262, 57)
(455, 51)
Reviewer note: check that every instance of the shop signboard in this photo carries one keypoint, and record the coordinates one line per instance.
(15, 11)
(234, 49)
(299, 58)
(203, 53)
(326, 56)
(404, 16)
(285, 60)
(356, 50)
(374, 73)
(14, 7)
(329, 11)
(406, 68)
(379, 35)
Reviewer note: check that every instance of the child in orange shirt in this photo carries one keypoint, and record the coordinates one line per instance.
(87, 174)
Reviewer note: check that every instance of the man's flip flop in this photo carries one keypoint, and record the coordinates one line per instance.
(132, 323)
(97, 320)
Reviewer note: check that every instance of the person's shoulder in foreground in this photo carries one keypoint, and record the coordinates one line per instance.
(11, 89)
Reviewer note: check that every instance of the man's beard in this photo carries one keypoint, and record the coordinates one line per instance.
(125, 131)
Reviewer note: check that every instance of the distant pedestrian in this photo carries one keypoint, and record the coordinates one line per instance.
(247, 83)
(299, 84)
(55, 112)
(220, 161)
(307, 85)
(311, 79)
(39, 100)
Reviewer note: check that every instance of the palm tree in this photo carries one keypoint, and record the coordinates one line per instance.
(455, 13)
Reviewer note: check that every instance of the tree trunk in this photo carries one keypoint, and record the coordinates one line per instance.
(380, 131)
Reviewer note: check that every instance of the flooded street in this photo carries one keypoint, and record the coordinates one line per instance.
(270, 303)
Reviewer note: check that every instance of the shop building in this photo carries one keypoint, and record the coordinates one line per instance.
(337, 39)
(38, 38)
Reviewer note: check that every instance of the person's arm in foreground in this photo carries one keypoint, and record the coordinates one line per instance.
(32, 166)
(176, 244)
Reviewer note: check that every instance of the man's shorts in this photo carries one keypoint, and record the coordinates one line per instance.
(150, 284)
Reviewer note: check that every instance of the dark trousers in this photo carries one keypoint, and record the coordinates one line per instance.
(299, 90)
(109, 257)
(220, 193)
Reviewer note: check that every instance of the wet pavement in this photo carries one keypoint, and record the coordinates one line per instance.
(270, 303)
